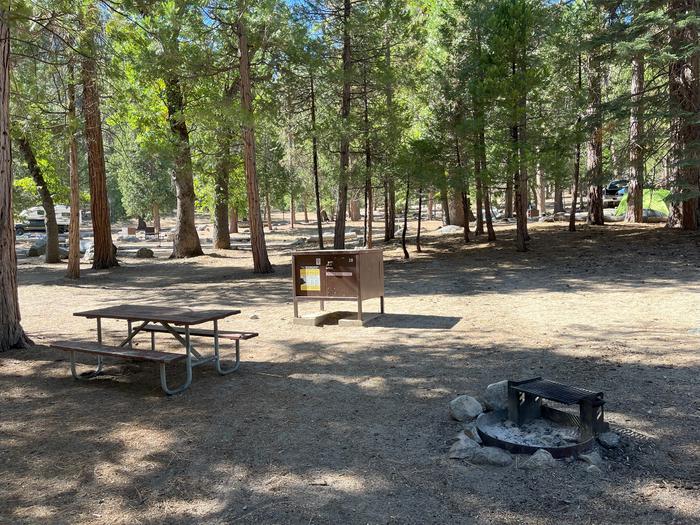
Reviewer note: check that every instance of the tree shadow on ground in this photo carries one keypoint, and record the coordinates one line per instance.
(326, 433)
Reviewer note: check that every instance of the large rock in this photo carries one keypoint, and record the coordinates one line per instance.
(450, 229)
(463, 448)
(39, 248)
(465, 408)
(496, 396)
(90, 253)
(491, 456)
(539, 460)
(144, 253)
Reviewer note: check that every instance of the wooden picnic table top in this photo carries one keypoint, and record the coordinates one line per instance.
(157, 314)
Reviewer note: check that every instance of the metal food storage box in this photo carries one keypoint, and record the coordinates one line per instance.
(326, 275)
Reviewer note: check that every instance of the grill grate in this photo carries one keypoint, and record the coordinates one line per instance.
(568, 395)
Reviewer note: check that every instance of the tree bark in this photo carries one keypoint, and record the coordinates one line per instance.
(156, 217)
(521, 198)
(222, 238)
(314, 154)
(487, 197)
(354, 211)
(392, 210)
(558, 197)
(292, 211)
(339, 234)
(369, 202)
(577, 158)
(185, 239)
(465, 210)
(594, 157)
(104, 253)
(73, 271)
(636, 184)
(508, 207)
(140, 223)
(11, 333)
(539, 183)
(420, 212)
(268, 210)
(261, 262)
(233, 220)
(479, 228)
(684, 102)
(431, 206)
(405, 220)
(51, 255)
(445, 204)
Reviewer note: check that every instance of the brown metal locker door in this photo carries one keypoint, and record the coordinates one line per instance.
(341, 275)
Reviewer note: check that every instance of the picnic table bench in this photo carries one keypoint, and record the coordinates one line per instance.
(177, 322)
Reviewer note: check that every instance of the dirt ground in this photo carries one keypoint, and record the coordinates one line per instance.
(350, 425)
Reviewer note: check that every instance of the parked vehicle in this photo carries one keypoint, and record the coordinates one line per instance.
(34, 219)
(611, 193)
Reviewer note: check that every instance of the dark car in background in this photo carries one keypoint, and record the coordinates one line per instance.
(612, 194)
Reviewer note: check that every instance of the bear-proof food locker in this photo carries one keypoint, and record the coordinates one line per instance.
(327, 275)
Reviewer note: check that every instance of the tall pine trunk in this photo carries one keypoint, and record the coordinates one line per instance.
(684, 102)
(486, 192)
(314, 154)
(156, 217)
(233, 220)
(636, 184)
(339, 234)
(558, 197)
(522, 235)
(104, 253)
(222, 238)
(405, 219)
(369, 201)
(185, 239)
(261, 262)
(540, 186)
(73, 271)
(420, 213)
(51, 255)
(594, 156)
(577, 158)
(509, 198)
(11, 333)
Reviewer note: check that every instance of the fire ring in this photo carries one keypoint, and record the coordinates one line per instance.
(487, 422)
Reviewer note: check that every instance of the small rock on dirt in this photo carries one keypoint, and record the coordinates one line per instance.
(592, 469)
(496, 396)
(593, 458)
(463, 448)
(465, 408)
(491, 456)
(609, 440)
(539, 460)
(471, 432)
(254, 316)
(144, 253)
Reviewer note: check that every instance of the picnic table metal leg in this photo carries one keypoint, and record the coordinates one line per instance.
(85, 375)
(217, 357)
(188, 364)
(181, 388)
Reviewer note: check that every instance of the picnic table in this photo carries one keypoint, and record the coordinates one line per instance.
(177, 322)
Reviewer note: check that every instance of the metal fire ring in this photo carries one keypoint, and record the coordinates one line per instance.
(492, 418)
